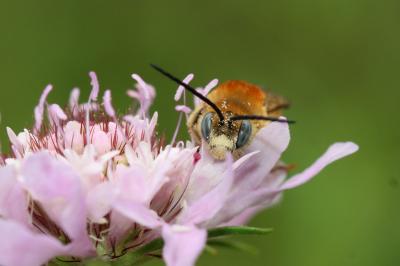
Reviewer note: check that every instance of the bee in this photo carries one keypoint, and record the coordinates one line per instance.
(230, 116)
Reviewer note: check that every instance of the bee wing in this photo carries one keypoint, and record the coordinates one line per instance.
(275, 104)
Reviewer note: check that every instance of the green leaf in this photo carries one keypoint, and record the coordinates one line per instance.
(210, 249)
(240, 246)
(237, 230)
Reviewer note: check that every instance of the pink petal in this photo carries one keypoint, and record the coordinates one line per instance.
(145, 176)
(101, 141)
(205, 91)
(211, 203)
(138, 213)
(152, 126)
(107, 103)
(57, 188)
(244, 159)
(210, 86)
(145, 93)
(178, 176)
(335, 152)
(142, 86)
(236, 209)
(73, 138)
(181, 89)
(39, 109)
(19, 246)
(138, 125)
(13, 199)
(133, 94)
(183, 244)
(243, 218)
(183, 108)
(132, 183)
(56, 114)
(241, 209)
(99, 200)
(95, 86)
(270, 141)
(207, 174)
(137, 185)
(74, 99)
(17, 145)
(116, 134)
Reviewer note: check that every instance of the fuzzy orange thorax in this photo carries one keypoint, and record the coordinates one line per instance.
(239, 97)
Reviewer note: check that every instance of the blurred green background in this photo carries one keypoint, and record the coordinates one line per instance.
(337, 61)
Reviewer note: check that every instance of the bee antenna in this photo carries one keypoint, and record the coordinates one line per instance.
(259, 117)
(191, 89)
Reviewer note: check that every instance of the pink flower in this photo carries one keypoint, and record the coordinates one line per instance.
(85, 183)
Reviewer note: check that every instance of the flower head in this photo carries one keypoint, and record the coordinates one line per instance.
(87, 183)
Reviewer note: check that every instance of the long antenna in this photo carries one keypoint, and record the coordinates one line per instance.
(259, 117)
(191, 89)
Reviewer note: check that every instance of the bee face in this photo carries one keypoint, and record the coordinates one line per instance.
(224, 136)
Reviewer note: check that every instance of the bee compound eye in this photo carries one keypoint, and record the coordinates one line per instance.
(244, 134)
(206, 124)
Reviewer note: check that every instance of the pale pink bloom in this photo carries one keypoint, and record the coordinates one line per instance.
(212, 84)
(86, 183)
(39, 109)
(144, 93)
(95, 86)
(181, 89)
(107, 104)
(183, 108)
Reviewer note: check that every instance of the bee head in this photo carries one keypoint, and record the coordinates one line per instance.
(222, 136)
